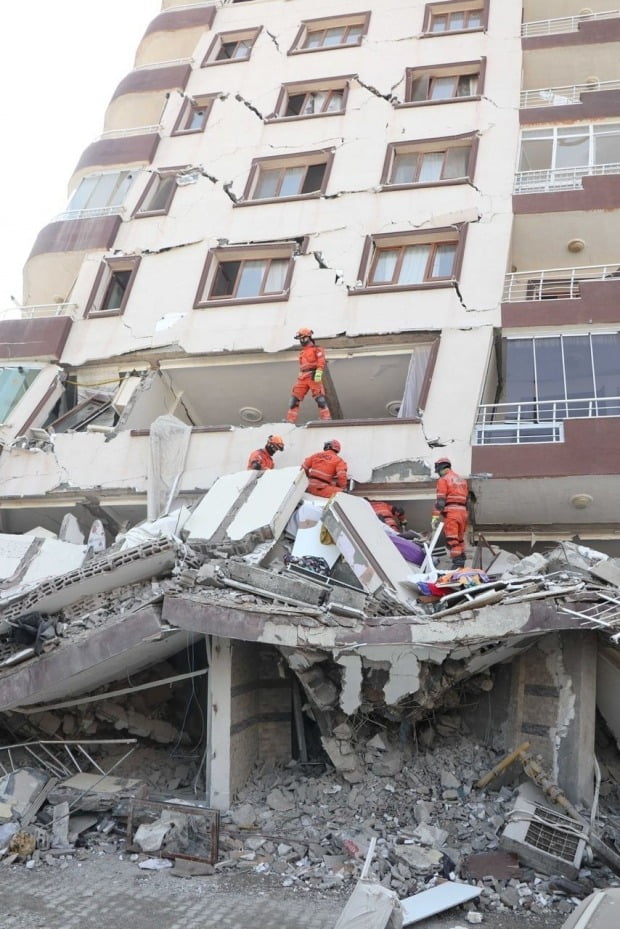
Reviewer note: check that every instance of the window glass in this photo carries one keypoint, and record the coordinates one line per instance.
(404, 168)
(415, 259)
(467, 85)
(442, 88)
(225, 277)
(276, 277)
(385, 265)
(251, 278)
(336, 101)
(116, 290)
(291, 181)
(159, 196)
(334, 36)
(519, 376)
(573, 149)
(431, 164)
(354, 35)
(605, 354)
(14, 382)
(457, 21)
(607, 144)
(313, 180)
(101, 190)
(444, 260)
(549, 375)
(439, 24)
(536, 154)
(475, 19)
(457, 162)
(267, 185)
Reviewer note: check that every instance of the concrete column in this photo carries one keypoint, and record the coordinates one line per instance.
(578, 716)
(220, 705)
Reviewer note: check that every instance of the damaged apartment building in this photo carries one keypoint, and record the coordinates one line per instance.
(433, 188)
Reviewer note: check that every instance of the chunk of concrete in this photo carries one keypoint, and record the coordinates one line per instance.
(267, 510)
(70, 530)
(19, 790)
(370, 906)
(213, 513)
(600, 910)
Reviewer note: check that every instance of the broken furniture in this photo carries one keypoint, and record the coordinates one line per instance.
(174, 829)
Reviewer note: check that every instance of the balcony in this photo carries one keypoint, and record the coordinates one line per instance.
(536, 422)
(554, 283)
(39, 311)
(126, 133)
(551, 180)
(564, 95)
(563, 24)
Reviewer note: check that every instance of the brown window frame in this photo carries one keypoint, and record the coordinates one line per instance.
(454, 70)
(445, 8)
(376, 245)
(190, 106)
(282, 164)
(429, 146)
(268, 251)
(233, 36)
(102, 288)
(308, 88)
(157, 174)
(324, 23)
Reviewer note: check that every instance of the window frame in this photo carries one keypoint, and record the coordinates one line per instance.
(221, 39)
(439, 8)
(100, 290)
(302, 159)
(160, 174)
(191, 105)
(296, 88)
(383, 242)
(430, 146)
(268, 251)
(322, 24)
(456, 69)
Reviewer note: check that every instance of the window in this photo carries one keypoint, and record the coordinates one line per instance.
(157, 197)
(278, 178)
(231, 46)
(332, 32)
(405, 260)
(112, 286)
(428, 162)
(14, 383)
(553, 157)
(247, 274)
(446, 83)
(99, 194)
(455, 16)
(193, 114)
(312, 98)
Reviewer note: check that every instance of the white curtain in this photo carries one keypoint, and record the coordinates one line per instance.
(415, 378)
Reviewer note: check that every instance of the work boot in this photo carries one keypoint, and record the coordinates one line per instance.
(458, 562)
(324, 414)
(291, 416)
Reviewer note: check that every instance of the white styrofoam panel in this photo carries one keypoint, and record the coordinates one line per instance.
(54, 558)
(436, 900)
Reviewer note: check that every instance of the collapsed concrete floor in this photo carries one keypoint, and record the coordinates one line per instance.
(266, 629)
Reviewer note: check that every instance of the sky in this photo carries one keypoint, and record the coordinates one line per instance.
(60, 63)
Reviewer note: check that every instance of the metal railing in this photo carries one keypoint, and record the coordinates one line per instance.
(171, 62)
(563, 23)
(126, 133)
(39, 311)
(552, 179)
(563, 96)
(554, 283)
(536, 421)
(93, 213)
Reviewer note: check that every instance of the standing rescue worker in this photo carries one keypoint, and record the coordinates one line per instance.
(326, 470)
(262, 458)
(311, 366)
(451, 506)
(392, 516)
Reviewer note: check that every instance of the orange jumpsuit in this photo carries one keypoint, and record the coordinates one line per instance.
(386, 514)
(311, 359)
(260, 460)
(451, 504)
(327, 472)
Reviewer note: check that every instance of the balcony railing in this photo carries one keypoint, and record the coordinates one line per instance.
(93, 213)
(554, 283)
(126, 133)
(563, 23)
(554, 179)
(535, 422)
(39, 311)
(563, 96)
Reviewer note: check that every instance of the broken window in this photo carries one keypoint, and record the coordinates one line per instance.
(426, 163)
(410, 259)
(445, 83)
(255, 273)
(333, 32)
(99, 194)
(112, 285)
(566, 147)
(231, 46)
(94, 409)
(297, 176)
(157, 197)
(14, 382)
(314, 103)
(193, 114)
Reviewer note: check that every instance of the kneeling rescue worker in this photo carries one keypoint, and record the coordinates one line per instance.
(393, 516)
(451, 506)
(262, 458)
(311, 366)
(326, 470)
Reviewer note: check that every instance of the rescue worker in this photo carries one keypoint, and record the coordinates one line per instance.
(327, 471)
(451, 506)
(312, 363)
(262, 458)
(392, 516)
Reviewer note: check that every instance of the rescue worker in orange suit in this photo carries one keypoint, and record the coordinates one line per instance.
(392, 516)
(262, 458)
(310, 378)
(451, 506)
(326, 470)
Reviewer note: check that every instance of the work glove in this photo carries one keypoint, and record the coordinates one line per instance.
(318, 375)
(435, 520)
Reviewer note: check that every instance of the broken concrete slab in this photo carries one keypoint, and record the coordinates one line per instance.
(285, 587)
(598, 911)
(215, 510)
(268, 508)
(19, 791)
(435, 900)
(370, 906)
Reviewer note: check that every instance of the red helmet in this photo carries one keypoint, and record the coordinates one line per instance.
(304, 333)
(442, 463)
(334, 444)
(277, 441)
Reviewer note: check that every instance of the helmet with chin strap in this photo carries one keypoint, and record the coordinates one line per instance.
(334, 444)
(304, 333)
(441, 464)
(276, 441)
